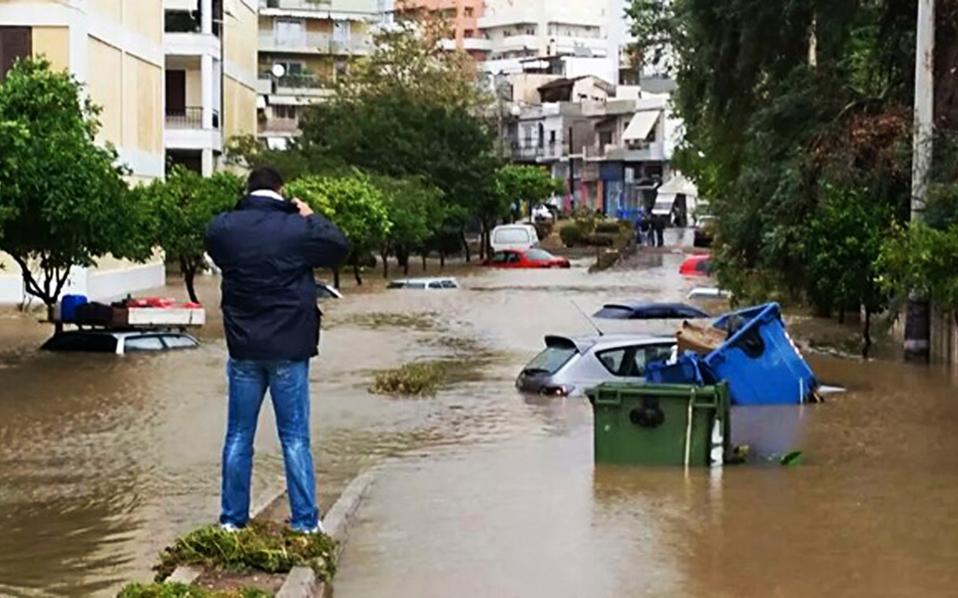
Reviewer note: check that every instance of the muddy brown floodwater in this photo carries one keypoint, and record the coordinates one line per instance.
(483, 492)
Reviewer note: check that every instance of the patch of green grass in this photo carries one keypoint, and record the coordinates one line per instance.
(182, 590)
(413, 379)
(259, 546)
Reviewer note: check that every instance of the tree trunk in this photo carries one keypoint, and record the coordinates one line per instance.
(442, 258)
(385, 257)
(336, 277)
(359, 279)
(189, 277)
(867, 334)
(482, 238)
(425, 256)
(465, 246)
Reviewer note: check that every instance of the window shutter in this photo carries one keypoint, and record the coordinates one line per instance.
(15, 42)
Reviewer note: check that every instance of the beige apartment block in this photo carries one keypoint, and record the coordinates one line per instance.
(115, 47)
(303, 47)
(210, 79)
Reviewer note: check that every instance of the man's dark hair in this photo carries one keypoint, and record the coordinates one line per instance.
(264, 179)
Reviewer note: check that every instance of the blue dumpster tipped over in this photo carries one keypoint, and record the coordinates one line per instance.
(760, 362)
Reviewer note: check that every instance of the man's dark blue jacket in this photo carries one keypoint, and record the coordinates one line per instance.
(267, 253)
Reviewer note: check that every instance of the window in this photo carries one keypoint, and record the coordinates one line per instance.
(469, 11)
(144, 343)
(538, 255)
(508, 236)
(435, 285)
(284, 112)
(82, 341)
(552, 137)
(542, 135)
(551, 360)
(613, 359)
(15, 42)
(468, 33)
(605, 138)
(178, 341)
(289, 33)
(630, 362)
(341, 68)
(500, 257)
(528, 136)
(449, 284)
(340, 31)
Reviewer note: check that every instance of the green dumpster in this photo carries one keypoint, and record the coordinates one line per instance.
(660, 424)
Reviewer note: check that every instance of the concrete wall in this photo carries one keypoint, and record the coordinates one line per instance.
(241, 52)
(54, 44)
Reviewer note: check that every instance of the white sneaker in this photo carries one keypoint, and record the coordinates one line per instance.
(229, 528)
(319, 529)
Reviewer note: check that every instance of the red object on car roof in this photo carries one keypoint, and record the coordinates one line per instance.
(697, 265)
(528, 258)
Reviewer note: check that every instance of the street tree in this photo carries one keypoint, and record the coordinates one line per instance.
(799, 98)
(355, 205)
(415, 213)
(184, 204)
(64, 195)
(515, 184)
(410, 109)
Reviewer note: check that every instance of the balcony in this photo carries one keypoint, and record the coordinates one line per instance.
(648, 152)
(297, 85)
(514, 43)
(185, 130)
(544, 153)
(312, 43)
(279, 126)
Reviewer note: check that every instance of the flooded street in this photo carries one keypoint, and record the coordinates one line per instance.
(104, 460)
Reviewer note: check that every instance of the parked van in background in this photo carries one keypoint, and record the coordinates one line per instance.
(518, 237)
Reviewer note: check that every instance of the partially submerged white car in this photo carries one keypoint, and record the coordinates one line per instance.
(425, 284)
(570, 366)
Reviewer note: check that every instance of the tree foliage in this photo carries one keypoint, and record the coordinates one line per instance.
(415, 214)
(516, 182)
(798, 122)
(354, 204)
(183, 205)
(64, 196)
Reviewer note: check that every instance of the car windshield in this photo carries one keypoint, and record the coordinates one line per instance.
(512, 235)
(95, 343)
(551, 360)
(538, 255)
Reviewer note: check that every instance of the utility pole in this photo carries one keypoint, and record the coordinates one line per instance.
(917, 314)
(571, 170)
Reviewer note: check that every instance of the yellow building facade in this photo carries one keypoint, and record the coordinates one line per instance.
(114, 47)
(210, 79)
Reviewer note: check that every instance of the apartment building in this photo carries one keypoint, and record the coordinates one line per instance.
(462, 16)
(210, 78)
(304, 46)
(115, 47)
(522, 30)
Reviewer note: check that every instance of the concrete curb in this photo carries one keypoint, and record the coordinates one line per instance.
(301, 581)
(187, 574)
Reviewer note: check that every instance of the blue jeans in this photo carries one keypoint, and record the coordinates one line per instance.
(288, 384)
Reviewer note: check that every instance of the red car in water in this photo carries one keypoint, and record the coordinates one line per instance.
(528, 258)
(697, 265)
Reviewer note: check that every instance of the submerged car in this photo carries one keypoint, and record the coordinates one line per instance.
(697, 265)
(649, 311)
(433, 284)
(514, 236)
(119, 342)
(530, 258)
(570, 366)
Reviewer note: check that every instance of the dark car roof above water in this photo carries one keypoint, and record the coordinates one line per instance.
(635, 310)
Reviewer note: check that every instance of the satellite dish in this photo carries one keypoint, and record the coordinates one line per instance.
(279, 71)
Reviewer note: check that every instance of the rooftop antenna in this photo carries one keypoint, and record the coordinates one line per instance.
(588, 319)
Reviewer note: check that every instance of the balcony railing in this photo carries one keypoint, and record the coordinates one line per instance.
(190, 117)
(296, 4)
(312, 42)
(279, 125)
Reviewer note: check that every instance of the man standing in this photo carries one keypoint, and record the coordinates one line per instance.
(267, 248)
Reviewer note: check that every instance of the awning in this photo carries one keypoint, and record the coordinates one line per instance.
(640, 126)
(260, 102)
(663, 204)
(277, 143)
(679, 184)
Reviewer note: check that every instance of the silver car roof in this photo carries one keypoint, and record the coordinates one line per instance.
(607, 341)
